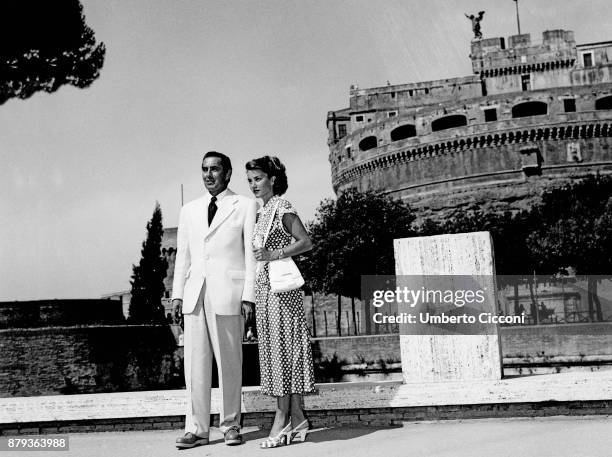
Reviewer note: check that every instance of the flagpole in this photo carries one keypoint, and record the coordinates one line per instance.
(518, 21)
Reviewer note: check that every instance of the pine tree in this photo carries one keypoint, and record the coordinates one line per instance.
(45, 45)
(148, 276)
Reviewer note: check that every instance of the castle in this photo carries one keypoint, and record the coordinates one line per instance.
(532, 115)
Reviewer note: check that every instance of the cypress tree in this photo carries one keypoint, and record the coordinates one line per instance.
(148, 276)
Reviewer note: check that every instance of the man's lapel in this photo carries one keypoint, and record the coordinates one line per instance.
(225, 208)
(201, 213)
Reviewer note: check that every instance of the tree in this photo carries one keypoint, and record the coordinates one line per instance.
(509, 231)
(44, 45)
(353, 236)
(148, 277)
(571, 229)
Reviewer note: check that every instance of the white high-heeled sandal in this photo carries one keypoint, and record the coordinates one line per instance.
(299, 432)
(282, 439)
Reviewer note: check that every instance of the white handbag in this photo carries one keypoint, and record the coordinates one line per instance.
(284, 274)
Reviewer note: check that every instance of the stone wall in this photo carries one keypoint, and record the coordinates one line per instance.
(592, 339)
(489, 171)
(412, 95)
(378, 123)
(51, 313)
(490, 58)
(78, 360)
(473, 110)
(71, 360)
(528, 342)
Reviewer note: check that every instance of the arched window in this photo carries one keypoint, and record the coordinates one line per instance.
(402, 132)
(604, 103)
(448, 122)
(529, 109)
(368, 142)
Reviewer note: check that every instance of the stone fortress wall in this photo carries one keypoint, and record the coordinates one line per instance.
(531, 116)
(63, 312)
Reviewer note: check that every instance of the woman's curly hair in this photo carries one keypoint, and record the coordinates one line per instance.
(271, 166)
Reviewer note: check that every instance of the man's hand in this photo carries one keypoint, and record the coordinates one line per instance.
(177, 311)
(247, 311)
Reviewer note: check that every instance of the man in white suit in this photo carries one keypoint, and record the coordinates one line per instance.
(214, 284)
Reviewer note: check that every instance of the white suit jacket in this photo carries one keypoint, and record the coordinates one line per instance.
(221, 255)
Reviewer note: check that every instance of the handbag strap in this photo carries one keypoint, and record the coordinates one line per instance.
(267, 232)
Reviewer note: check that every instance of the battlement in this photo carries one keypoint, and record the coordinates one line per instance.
(491, 57)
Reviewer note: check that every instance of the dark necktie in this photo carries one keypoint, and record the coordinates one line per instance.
(212, 209)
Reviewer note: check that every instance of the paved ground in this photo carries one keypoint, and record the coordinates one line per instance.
(540, 437)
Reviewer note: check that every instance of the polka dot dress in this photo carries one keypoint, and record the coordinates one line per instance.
(285, 355)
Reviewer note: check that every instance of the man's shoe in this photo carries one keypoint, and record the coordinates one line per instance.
(190, 440)
(233, 436)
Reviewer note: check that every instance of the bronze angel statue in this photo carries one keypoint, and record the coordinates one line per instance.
(476, 24)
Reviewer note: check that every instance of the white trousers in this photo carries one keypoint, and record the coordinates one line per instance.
(208, 334)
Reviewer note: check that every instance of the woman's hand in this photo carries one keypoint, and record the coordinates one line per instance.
(263, 255)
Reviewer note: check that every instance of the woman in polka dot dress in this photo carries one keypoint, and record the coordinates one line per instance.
(285, 355)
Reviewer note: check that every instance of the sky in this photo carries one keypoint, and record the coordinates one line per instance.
(82, 168)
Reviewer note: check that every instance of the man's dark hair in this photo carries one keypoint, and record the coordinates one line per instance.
(226, 163)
